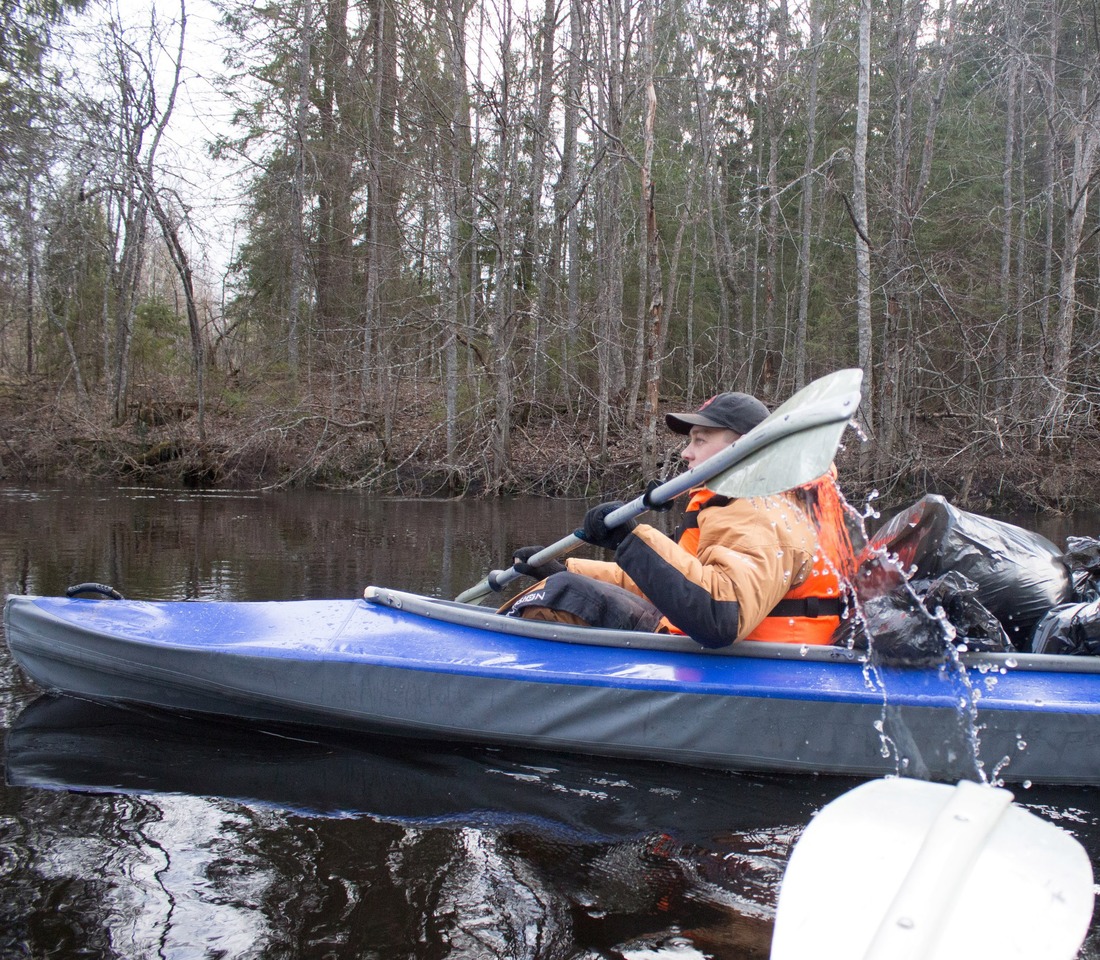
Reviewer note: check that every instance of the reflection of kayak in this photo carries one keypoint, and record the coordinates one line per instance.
(622, 839)
(61, 742)
(427, 668)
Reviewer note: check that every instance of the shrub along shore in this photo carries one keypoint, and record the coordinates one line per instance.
(314, 442)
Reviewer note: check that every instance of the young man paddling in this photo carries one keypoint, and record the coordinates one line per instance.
(757, 568)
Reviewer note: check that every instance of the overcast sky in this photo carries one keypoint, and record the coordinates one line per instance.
(213, 191)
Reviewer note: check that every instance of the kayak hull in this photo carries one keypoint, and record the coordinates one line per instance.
(413, 666)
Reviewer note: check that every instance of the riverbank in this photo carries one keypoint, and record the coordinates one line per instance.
(261, 441)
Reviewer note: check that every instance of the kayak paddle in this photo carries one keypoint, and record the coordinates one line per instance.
(795, 444)
(901, 869)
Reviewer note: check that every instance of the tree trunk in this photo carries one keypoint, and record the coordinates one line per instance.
(506, 280)
(296, 287)
(1050, 148)
(537, 267)
(776, 104)
(28, 253)
(609, 351)
(859, 213)
(383, 185)
(655, 293)
(567, 199)
(1086, 145)
(1011, 74)
(337, 306)
(807, 199)
(170, 232)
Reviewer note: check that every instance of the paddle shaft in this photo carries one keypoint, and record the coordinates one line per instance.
(767, 433)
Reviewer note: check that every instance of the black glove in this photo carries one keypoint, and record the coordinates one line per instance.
(647, 498)
(596, 532)
(542, 571)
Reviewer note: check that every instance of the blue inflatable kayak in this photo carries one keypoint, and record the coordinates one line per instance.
(405, 664)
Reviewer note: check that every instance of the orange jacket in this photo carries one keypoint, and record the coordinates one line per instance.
(804, 620)
(737, 566)
(793, 620)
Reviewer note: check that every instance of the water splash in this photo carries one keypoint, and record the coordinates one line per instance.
(893, 625)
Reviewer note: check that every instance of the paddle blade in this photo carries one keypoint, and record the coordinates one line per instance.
(797, 441)
(909, 870)
(792, 446)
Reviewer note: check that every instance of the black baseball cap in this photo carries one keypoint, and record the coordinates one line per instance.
(739, 412)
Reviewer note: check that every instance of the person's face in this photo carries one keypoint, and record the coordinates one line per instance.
(704, 442)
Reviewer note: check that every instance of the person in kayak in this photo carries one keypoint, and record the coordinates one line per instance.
(755, 568)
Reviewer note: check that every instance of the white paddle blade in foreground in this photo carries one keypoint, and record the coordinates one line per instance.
(901, 869)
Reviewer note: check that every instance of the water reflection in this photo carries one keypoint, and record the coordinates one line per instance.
(173, 545)
(465, 852)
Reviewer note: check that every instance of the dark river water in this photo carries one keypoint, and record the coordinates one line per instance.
(131, 834)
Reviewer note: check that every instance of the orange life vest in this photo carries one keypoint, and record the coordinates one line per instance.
(808, 613)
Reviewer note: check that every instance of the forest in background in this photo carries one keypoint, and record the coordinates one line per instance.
(485, 245)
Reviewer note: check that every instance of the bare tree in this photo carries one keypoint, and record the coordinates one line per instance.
(299, 140)
(1008, 213)
(452, 19)
(169, 224)
(538, 268)
(807, 208)
(776, 101)
(1085, 169)
(655, 286)
(611, 43)
(859, 210)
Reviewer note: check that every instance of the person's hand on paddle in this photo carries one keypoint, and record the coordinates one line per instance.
(542, 571)
(647, 498)
(596, 531)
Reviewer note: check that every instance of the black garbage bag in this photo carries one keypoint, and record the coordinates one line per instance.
(912, 622)
(1072, 628)
(1082, 556)
(890, 620)
(957, 596)
(1019, 575)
